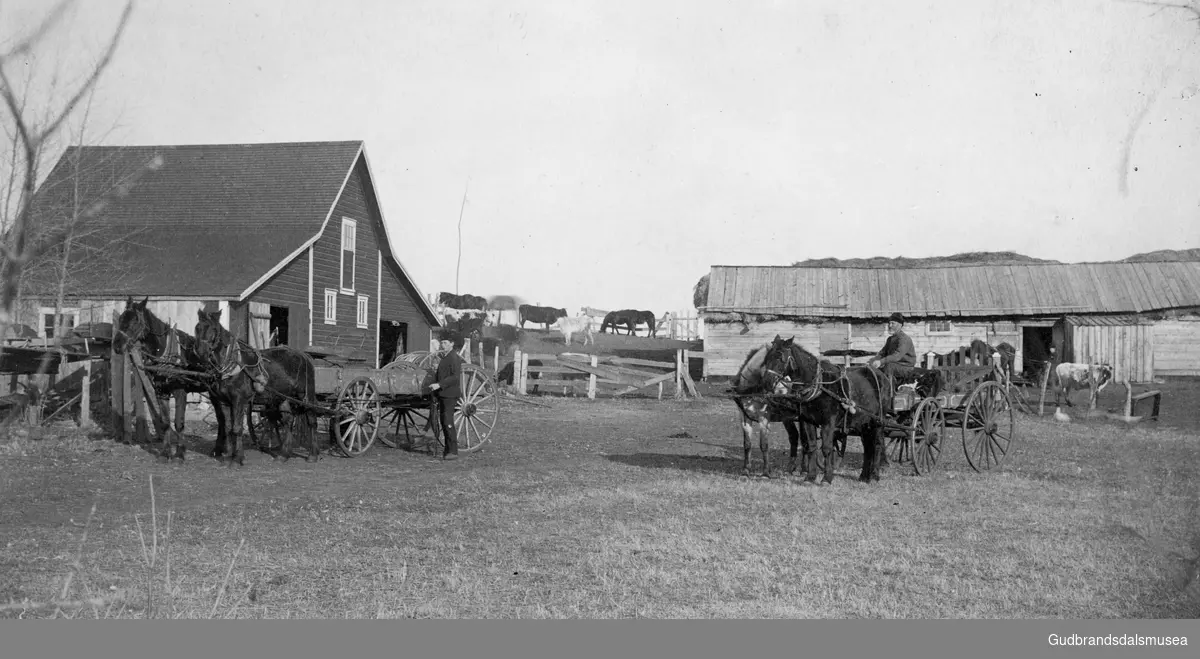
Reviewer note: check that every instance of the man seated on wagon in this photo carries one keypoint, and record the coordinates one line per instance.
(898, 358)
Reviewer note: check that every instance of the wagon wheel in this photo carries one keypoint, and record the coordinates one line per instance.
(261, 431)
(477, 410)
(926, 436)
(899, 446)
(356, 421)
(409, 420)
(988, 426)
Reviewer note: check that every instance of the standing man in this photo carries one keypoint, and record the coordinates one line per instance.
(898, 356)
(447, 388)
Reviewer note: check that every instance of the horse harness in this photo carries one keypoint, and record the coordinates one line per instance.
(809, 392)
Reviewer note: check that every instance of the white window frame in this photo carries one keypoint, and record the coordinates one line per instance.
(73, 312)
(331, 306)
(349, 244)
(929, 326)
(364, 311)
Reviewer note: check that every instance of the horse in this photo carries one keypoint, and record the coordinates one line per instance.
(163, 344)
(759, 408)
(1006, 352)
(629, 318)
(282, 379)
(831, 396)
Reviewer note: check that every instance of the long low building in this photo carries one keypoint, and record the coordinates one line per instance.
(1141, 318)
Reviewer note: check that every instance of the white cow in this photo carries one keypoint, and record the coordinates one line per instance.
(577, 325)
(1080, 376)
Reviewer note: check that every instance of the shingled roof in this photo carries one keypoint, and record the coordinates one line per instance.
(962, 291)
(204, 220)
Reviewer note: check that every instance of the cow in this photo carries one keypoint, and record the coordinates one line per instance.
(1080, 376)
(464, 301)
(630, 319)
(577, 325)
(544, 315)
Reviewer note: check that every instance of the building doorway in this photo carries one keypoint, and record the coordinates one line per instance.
(279, 326)
(1035, 354)
(393, 340)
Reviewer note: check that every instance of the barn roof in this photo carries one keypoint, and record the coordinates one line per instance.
(241, 210)
(960, 291)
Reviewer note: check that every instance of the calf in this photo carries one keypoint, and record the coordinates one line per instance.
(544, 315)
(577, 325)
(1080, 376)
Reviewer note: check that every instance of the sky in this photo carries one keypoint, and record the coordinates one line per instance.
(611, 152)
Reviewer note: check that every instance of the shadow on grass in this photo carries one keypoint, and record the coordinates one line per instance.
(731, 463)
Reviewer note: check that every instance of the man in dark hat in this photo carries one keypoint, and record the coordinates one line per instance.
(447, 387)
(898, 356)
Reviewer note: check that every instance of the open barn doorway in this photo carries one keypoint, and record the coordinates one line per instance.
(278, 330)
(1035, 343)
(393, 340)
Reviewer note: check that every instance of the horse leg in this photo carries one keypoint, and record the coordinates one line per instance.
(827, 432)
(286, 420)
(794, 441)
(764, 444)
(180, 417)
(219, 411)
(747, 433)
(871, 450)
(239, 410)
(162, 428)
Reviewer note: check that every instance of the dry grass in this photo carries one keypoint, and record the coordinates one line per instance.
(587, 509)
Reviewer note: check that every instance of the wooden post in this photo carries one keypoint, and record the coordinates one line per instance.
(524, 373)
(592, 379)
(1045, 380)
(85, 398)
(482, 363)
(1092, 393)
(1128, 399)
(127, 416)
(496, 359)
(679, 393)
(116, 404)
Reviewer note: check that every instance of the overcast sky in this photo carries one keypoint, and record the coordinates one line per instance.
(615, 150)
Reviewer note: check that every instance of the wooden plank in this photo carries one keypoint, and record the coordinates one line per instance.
(650, 383)
(641, 362)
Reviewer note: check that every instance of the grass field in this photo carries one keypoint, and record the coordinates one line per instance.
(603, 509)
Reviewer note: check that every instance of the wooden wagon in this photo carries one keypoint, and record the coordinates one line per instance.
(358, 400)
(974, 403)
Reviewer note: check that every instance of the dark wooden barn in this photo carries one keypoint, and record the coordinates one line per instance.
(289, 239)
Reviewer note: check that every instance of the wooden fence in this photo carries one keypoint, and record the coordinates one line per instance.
(602, 374)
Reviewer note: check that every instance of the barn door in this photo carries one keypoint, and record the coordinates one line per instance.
(260, 325)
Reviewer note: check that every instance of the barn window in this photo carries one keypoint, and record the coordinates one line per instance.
(47, 325)
(364, 303)
(939, 327)
(349, 250)
(330, 306)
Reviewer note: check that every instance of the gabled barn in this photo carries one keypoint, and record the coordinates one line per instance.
(1142, 318)
(288, 239)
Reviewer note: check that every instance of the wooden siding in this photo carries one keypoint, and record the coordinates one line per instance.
(731, 346)
(289, 288)
(1177, 347)
(970, 291)
(1129, 349)
(401, 304)
(346, 336)
(726, 348)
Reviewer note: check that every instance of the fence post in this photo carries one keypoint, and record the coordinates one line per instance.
(1128, 399)
(116, 403)
(678, 374)
(85, 396)
(127, 417)
(496, 359)
(516, 376)
(524, 372)
(592, 379)
(1045, 380)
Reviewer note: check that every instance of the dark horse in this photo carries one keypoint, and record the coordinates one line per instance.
(163, 345)
(629, 318)
(759, 407)
(281, 379)
(832, 397)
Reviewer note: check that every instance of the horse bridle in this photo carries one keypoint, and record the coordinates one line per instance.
(807, 393)
(172, 352)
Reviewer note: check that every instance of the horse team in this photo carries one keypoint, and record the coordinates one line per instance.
(234, 375)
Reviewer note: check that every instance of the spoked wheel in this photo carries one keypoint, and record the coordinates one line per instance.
(926, 436)
(477, 410)
(263, 433)
(408, 424)
(899, 447)
(357, 419)
(988, 426)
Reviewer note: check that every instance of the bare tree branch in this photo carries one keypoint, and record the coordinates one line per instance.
(27, 44)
